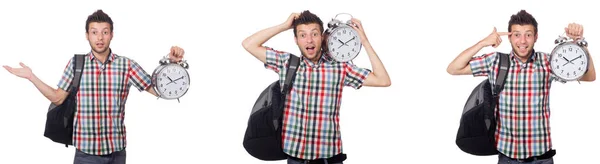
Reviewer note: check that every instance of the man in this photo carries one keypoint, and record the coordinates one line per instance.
(98, 127)
(311, 131)
(523, 129)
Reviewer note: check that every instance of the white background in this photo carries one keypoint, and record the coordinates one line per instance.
(413, 121)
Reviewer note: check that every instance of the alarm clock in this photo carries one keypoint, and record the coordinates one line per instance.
(171, 80)
(342, 42)
(569, 59)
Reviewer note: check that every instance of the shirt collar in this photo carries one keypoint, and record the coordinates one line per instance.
(111, 56)
(325, 58)
(532, 58)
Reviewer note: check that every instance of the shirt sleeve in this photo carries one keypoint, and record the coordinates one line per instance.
(355, 76)
(275, 59)
(138, 77)
(67, 76)
(481, 65)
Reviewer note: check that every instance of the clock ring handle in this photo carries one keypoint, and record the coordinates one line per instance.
(349, 21)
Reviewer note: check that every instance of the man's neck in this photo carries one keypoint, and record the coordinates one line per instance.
(101, 56)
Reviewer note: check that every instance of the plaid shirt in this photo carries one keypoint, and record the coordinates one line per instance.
(311, 116)
(99, 127)
(523, 111)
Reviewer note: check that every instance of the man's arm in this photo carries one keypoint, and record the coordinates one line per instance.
(56, 96)
(379, 77)
(460, 65)
(253, 44)
(151, 91)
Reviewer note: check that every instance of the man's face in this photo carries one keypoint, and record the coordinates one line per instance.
(309, 39)
(522, 39)
(99, 35)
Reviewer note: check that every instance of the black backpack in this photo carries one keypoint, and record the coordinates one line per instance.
(476, 134)
(59, 120)
(263, 134)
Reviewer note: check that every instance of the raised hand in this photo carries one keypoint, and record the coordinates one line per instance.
(176, 54)
(23, 72)
(290, 20)
(574, 31)
(494, 39)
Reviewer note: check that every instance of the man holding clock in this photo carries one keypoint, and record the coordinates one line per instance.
(311, 131)
(98, 127)
(523, 111)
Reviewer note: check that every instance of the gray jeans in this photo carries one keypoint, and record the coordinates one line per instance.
(117, 157)
(502, 159)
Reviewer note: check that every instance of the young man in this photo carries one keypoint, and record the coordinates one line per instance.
(523, 111)
(311, 131)
(98, 127)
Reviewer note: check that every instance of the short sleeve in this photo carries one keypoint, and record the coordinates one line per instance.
(275, 59)
(481, 65)
(138, 77)
(67, 76)
(355, 76)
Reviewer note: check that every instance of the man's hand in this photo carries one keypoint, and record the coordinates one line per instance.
(574, 31)
(357, 25)
(23, 72)
(288, 23)
(493, 39)
(176, 54)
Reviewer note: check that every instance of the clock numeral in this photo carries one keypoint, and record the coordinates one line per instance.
(560, 55)
(335, 38)
(180, 88)
(333, 49)
(164, 74)
(159, 79)
(161, 85)
(557, 67)
(568, 74)
(561, 71)
(574, 73)
(564, 51)
(169, 92)
(579, 68)
(353, 50)
(355, 43)
(570, 49)
(582, 62)
(331, 43)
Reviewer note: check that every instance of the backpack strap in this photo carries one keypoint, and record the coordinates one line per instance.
(79, 62)
(502, 73)
(293, 64)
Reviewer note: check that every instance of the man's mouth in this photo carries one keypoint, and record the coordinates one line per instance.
(310, 49)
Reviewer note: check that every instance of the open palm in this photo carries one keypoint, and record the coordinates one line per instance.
(23, 72)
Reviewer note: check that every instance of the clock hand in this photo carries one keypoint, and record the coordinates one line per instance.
(340, 42)
(179, 78)
(571, 61)
(350, 40)
(170, 80)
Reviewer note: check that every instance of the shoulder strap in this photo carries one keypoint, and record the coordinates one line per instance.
(293, 64)
(502, 73)
(79, 62)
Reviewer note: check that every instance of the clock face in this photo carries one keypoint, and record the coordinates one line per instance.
(569, 61)
(172, 81)
(343, 44)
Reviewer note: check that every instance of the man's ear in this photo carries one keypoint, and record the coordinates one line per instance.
(535, 38)
(87, 37)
